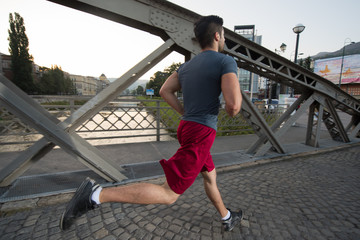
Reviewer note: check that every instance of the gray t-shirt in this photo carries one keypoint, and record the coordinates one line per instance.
(200, 80)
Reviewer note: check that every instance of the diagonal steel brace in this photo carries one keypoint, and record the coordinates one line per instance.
(43, 146)
(313, 135)
(253, 117)
(262, 150)
(71, 143)
(264, 138)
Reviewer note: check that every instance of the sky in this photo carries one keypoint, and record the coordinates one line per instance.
(83, 44)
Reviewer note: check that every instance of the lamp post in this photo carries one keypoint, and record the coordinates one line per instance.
(292, 55)
(342, 59)
(299, 28)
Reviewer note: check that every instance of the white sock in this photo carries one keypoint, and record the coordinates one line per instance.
(228, 215)
(96, 195)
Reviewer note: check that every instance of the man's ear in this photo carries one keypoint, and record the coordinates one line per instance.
(217, 36)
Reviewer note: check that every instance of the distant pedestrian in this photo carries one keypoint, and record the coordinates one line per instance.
(202, 79)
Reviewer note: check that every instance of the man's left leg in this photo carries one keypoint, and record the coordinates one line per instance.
(213, 193)
(229, 218)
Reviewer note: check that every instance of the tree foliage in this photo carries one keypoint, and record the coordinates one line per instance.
(53, 81)
(306, 63)
(159, 78)
(21, 60)
(140, 90)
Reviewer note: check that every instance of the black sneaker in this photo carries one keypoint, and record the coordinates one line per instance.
(79, 204)
(233, 220)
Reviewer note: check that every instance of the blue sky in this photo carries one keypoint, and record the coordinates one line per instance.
(87, 45)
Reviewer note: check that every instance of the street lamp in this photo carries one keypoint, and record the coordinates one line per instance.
(297, 29)
(282, 48)
(342, 59)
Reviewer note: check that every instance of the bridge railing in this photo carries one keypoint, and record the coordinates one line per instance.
(120, 121)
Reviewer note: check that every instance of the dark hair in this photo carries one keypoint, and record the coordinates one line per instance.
(205, 28)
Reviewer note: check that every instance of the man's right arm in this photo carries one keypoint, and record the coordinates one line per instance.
(168, 90)
(230, 88)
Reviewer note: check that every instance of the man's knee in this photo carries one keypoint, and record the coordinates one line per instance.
(209, 177)
(171, 196)
(172, 199)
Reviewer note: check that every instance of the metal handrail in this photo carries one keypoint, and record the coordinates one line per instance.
(130, 116)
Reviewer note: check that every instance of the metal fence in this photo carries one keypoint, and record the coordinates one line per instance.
(122, 120)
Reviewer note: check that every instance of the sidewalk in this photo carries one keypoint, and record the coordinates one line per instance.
(57, 172)
(306, 193)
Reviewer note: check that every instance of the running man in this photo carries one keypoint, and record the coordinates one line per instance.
(202, 80)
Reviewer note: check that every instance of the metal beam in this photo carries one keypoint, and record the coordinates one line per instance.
(168, 20)
(257, 122)
(105, 96)
(263, 138)
(331, 119)
(174, 25)
(335, 123)
(315, 112)
(262, 150)
(43, 146)
(354, 127)
(355, 133)
(71, 143)
(263, 62)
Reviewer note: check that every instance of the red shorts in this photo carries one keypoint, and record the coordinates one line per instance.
(191, 158)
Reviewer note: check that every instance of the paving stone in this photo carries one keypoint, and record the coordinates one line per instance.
(96, 227)
(101, 233)
(109, 237)
(150, 227)
(306, 198)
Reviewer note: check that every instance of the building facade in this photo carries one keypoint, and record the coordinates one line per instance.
(102, 83)
(5, 68)
(249, 81)
(84, 85)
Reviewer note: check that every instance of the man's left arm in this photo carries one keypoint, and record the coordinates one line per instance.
(230, 88)
(168, 90)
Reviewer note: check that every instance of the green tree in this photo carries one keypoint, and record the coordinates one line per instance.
(54, 82)
(306, 63)
(21, 60)
(159, 78)
(140, 90)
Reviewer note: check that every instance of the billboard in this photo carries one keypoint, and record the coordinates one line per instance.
(150, 92)
(329, 68)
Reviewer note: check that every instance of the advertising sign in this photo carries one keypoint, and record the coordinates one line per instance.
(150, 92)
(329, 68)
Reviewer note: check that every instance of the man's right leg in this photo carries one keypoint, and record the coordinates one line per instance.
(140, 193)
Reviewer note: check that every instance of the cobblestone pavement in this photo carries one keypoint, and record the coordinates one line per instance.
(308, 197)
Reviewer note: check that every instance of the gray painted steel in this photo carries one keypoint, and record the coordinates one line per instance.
(174, 25)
